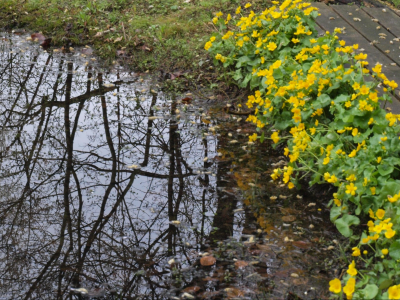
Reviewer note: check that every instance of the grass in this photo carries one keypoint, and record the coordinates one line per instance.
(163, 35)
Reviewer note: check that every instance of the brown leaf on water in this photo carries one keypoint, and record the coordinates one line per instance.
(121, 53)
(266, 248)
(241, 264)
(38, 37)
(207, 261)
(191, 289)
(233, 292)
(87, 51)
(210, 279)
(302, 244)
(289, 218)
(187, 100)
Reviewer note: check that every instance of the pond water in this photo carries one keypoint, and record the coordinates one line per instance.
(111, 189)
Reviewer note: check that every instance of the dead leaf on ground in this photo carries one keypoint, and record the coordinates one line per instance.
(118, 39)
(207, 261)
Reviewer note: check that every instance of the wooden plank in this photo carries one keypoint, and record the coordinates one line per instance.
(389, 20)
(329, 20)
(368, 29)
(351, 36)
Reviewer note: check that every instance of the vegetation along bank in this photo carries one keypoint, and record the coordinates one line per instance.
(316, 96)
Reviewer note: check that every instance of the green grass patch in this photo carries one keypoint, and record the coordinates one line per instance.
(155, 34)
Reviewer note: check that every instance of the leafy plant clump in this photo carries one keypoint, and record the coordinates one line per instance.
(316, 95)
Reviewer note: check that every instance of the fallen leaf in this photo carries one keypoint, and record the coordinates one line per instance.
(87, 51)
(288, 218)
(38, 37)
(241, 264)
(207, 261)
(233, 292)
(118, 39)
(191, 289)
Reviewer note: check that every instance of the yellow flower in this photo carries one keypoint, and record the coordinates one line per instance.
(208, 45)
(390, 233)
(356, 251)
(351, 178)
(286, 153)
(335, 286)
(373, 190)
(295, 41)
(215, 20)
(342, 43)
(253, 137)
(380, 213)
(271, 46)
(353, 153)
(370, 121)
(247, 5)
(352, 269)
(349, 288)
(337, 202)
(394, 292)
(275, 137)
(385, 251)
(384, 139)
(333, 179)
(290, 185)
(351, 189)
(379, 159)
(326, 160)
(354, 132)
(238, 10)
(312, 130)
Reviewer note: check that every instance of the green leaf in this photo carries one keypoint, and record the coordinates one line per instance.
(335, 213)
(385, 169)
(242, 60)
(262, 137)
(394, 250)
(370, 291)
(343, 224)
(385, 284)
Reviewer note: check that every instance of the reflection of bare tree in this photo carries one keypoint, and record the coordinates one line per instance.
(74, 214)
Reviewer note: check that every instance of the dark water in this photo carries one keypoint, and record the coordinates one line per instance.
(111, 189)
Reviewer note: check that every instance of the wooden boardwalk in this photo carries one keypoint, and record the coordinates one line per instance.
(375, 30)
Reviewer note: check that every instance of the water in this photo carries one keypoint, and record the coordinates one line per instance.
(110, 188)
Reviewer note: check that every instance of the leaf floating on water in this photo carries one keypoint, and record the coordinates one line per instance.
(233, 292)
(288, 218)
(133, 167)
(208, 261)
(294, 275)
(191, 289)
(80, 290)
(188, 296)
(241, 264)
(108, 85)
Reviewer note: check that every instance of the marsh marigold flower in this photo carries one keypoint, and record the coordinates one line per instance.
(351, 189)
(356, 251)
(335, 286)
(352, 269)
(271, 46)
(275, 137)
(394, 292)
(349, 288)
